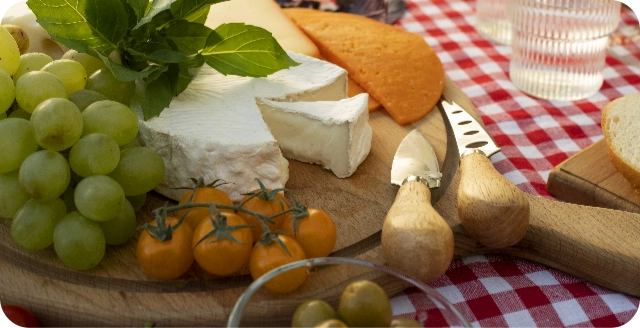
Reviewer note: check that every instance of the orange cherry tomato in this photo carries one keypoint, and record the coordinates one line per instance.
(20, 316)
(166, 259)
(268, 256)
(203, 195)
(266, 208)
(316, 233)
(222, 256)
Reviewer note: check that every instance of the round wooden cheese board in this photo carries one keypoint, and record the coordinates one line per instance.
(118, 292)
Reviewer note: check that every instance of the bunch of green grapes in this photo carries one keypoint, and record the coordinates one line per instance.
(71, 173)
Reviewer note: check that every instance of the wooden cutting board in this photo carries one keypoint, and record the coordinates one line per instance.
(64, 297)
(589, 178)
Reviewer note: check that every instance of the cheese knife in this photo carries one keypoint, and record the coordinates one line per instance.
(493, 210)
(415, 238)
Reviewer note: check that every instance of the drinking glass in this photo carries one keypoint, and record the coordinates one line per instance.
(559, 46)
(492, 22)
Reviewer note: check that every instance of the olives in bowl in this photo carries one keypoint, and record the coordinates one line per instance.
(339, 292)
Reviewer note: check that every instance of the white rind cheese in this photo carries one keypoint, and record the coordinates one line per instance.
(334, 134)
(214, 129)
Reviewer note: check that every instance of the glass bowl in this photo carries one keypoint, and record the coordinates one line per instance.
(327, 278)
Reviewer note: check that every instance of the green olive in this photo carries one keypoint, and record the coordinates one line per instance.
(331, 323)
(365, 304)
(313, 312)
(404, 322)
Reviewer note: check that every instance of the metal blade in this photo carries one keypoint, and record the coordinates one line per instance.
(415, 157)
(468, 132)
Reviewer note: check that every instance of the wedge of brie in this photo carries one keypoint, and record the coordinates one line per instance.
(215, 130)
(334, 134)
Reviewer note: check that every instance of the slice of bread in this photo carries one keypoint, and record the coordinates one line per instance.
(621, 128)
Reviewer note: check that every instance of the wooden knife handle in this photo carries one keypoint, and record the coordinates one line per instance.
(415, 238)
(492, 209)
(596, 244)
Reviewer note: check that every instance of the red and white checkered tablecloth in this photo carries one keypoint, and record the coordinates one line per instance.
(535, 135)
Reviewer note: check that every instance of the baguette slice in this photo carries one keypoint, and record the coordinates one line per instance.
(621, 128)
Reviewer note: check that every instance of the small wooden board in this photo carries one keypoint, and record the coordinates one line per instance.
(589, 178)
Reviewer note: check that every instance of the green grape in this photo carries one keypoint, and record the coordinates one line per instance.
(103, 81)
(137, 201)
(44, 175)
(111, 118)
(99, 197)
(94, 154)
(7, 91)
(30, 62)
(57, 123)
(139, 171)
(33, 225)
(134, 143)
(3, 116)
(90, 63)
(9, 52)
(11, 195)
(119, 229)
(17, 141)
(70, 72)
(83, 98)
(20, 113)
(67, 198)
(79, 242)
(35, 87)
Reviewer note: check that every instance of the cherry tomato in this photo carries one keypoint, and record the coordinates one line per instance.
(266, 208)
(166, 259)
(316, 233)
(268, 256)
(20, 316)
(222, 256)
(203, 195)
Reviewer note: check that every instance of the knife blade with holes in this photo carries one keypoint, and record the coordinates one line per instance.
(493, 210)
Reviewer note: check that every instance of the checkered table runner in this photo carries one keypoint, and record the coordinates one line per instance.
(535, 135)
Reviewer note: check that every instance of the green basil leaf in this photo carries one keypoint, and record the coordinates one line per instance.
(189, 38)
(245, 50)
(83, 24)
(157, 6)
(133, 20)
(187, 8)
(122, 73)
(179, 9)
(139, 8)
(156, 97)
(199, 16)
(182, 74)
(157, 53)
(156, 73)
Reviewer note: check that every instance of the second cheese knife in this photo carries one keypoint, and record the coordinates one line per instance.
(415, 238)
(492, 209)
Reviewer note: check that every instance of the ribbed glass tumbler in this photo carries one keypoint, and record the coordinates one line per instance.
(559, 46)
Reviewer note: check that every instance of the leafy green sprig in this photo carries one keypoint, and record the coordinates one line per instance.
(160, 42)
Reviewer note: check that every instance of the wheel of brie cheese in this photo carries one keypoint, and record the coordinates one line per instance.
(216, 130)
